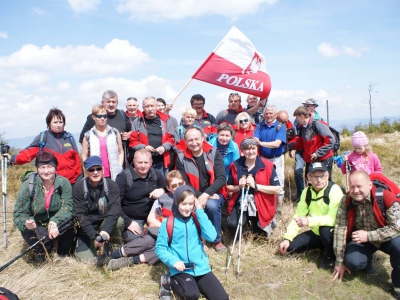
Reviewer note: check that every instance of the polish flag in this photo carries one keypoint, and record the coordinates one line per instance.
(237, 65)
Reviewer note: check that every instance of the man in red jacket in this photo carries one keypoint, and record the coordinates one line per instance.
(153, 132)
(315, 139)
(362, 228)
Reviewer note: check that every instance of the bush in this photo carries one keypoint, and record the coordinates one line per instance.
(345, 132)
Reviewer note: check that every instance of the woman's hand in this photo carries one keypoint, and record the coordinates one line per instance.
(30, 224)
(6, 155)
(250, 181)
(180, 266)
(197, 204)
(242, 181)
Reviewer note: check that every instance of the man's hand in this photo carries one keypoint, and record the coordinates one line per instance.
(53, 233)
(261, 103)
(215, 197)
(125, 135)
(160, 150)
(30, 224)
(203, 199)
(156, 193)
(168, 107)
(292, 153)
(359, 236)
(179, 265)
(314, 157)
(338, 272)
(149, 148)
(283, 246)
(6, 155)
(103, 234)
(301, 221)
(134, 227)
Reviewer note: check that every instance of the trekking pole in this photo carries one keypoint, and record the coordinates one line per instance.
(64, 226)
(4, 193)
(347, 175)
(237, 229)
(241, 227)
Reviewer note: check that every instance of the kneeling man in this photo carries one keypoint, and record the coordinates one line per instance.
(317, 209)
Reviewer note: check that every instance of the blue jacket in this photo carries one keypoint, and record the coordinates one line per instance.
(186, 244)
(231, 155)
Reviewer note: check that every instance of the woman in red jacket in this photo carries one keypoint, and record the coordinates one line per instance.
(244, 128)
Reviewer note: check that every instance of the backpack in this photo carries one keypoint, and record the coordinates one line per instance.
(335, 133)
(325, 196)
(381, 183)
(43, 139)
(6, 294)
(30, 176)
(170, 226)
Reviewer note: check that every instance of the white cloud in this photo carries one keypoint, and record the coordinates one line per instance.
(3, 35)
(62, 86)
(327, 50)
(81, 6)
(116, 56)
(353, 52)
(349, 87)
(38, 11)
(31, 79)
(172, 9)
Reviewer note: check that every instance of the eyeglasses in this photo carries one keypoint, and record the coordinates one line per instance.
(243, 121)
(101, 116)
(98, 169)
(172, 186)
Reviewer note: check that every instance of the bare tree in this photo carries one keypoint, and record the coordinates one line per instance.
(370, 90)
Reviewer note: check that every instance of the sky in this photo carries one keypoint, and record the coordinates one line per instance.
(66, 53)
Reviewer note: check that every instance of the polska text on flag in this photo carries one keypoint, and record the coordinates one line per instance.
(236, 64)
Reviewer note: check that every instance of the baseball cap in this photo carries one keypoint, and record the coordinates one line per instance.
(311, 101)
(92, 161)
(317, 166)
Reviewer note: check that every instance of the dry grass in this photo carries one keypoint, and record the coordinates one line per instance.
(264, 273)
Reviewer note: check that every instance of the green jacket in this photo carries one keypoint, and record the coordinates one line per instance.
(318, 213)
(61, 208)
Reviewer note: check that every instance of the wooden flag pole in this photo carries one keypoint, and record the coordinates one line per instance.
(187, 83)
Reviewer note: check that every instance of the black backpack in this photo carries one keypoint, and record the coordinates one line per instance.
(335, 133)
(325, 196)
(6, 294)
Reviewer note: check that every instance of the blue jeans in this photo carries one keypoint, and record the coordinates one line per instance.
(213, 210)
(298, 172)
(160, 167)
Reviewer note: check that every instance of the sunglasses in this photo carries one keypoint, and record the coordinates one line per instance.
(101, 116)
(98, 169)
(243, 121)
(172, 186)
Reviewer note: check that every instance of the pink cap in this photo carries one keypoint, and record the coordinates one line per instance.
(359, 139)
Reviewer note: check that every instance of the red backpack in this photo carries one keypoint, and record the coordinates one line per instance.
(170, 226)
(381, 182)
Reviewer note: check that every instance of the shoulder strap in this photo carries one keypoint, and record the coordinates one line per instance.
(197, 223)
(379, 200)
(325, 196)
(170, 227)
(278, 126)
(105, 186)
(86, 193)
(308, 196)
(70, 137)
(129, 178)
(153, 173)
(42, 140)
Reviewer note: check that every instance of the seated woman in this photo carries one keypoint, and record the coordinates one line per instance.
(104, 141)
(263, 188)
(58, 141)
(181, 248)
(223, 141)
(41, 208)
(141, 249)
(244, 128)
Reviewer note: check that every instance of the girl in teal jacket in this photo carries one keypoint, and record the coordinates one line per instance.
(185, 256)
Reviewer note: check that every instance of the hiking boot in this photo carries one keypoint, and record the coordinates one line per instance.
(39, 257)
(100, 260)
(219, 247)
(115, 264)
(327, 263)
(165, 288)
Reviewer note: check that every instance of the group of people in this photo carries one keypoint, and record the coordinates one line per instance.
(155, 189)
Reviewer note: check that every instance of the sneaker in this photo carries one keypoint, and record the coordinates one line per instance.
(115, 264)
(327, 263)
(165, 287)
(219, 247)
(100, 260)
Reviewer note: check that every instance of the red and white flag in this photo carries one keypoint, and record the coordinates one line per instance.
(237, 65)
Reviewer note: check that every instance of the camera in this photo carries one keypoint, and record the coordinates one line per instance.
(100, 238)
(4, 148)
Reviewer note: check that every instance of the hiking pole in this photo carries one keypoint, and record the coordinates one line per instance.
(237, 230)
(64, 226)
(4, 193)
(244, 200)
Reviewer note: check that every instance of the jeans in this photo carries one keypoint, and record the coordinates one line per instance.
(160, 167)
(213, 210)
(298, 172)
(279, 163)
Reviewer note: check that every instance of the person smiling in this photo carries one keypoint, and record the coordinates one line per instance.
(104, 141)
(244, 128)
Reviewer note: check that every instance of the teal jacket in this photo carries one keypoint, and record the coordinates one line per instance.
(61, 207)
(231, 155)
(318, 213)
(186, 244)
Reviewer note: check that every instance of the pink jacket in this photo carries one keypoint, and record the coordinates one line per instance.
(359, 162)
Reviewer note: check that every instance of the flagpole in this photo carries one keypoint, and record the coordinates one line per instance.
(187, 83)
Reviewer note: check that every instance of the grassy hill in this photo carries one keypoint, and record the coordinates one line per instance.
(264, 273)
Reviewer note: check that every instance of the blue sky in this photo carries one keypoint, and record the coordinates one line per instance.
(66, 53)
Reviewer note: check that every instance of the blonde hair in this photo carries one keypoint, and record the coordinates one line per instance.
(240, 115)
(98, 109)
(189, 111)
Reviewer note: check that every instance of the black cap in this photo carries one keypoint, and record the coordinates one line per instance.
(317, 166)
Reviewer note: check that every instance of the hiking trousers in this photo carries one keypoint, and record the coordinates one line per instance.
(309, 240)
(187, 287)
(358, 257)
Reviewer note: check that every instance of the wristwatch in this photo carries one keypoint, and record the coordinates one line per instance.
(255, 187)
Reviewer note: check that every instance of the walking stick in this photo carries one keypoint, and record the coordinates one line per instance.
(237, 228)
(4, 193)
(64, 226)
